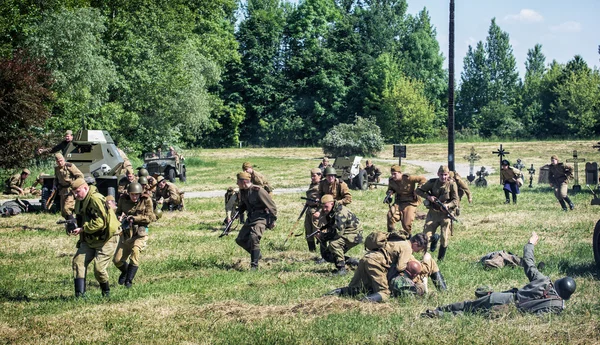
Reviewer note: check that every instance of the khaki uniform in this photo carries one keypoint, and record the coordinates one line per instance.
(123, 184)
(406, 202)
(447, 193)
(339, 189)
(373, 173)
(127, 166)
(172, 197)
(343, 232)
(97, 241)
(63, 177)
(463, 187)
(258, 179)
(261, 212)
(374, 269)
(14, 182)
(428, 267)
(150, 188)
(133, 240)
(310, 223)
(231, 202)
(511, 175)
(558, 176)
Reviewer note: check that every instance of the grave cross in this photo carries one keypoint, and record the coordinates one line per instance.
(519, 164)
(472, 158)
(531, 173)
(501, 153)
(575, 160)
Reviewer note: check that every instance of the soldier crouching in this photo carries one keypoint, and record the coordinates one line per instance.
(136, 213)
(168, 195)
(97, 242)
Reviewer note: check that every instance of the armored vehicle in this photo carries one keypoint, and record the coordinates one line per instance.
(350, 171)
(166, 164)
(95, 154)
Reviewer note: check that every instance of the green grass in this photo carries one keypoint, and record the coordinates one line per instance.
(194, 288)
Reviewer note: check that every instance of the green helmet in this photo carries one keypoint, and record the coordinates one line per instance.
(330, 171)
(135, 187)
(143, 180)
(158, 213)
(143, 172)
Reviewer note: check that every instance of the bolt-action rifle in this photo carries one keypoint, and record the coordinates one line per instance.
(306, 206)
(228, 226)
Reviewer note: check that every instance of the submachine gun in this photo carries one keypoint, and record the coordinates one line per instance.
(445, 209)
(227, 229)
(70, 224)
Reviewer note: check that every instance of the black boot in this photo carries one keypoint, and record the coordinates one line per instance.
(571, 205)
(105, 287)
(563, 205)
(123, 274)
(506, 196)
(438, 280)
(351, 261)
(312, 247)
(341, 268)
(131, 271)
(376, 297)
(442, 253)
(514, 198)
(255, 256)
(434, 242)
(79, 287)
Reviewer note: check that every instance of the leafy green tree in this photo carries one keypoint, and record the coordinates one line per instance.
(475, 82)
(363, 137)
(501, 65)
(531, 105)
(24, 99)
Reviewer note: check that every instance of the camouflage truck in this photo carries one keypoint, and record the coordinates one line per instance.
(350, 171)
(95, 154)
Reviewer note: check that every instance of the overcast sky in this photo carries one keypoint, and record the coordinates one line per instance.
(563, 28)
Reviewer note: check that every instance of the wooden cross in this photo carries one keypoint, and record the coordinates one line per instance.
(531, 173)
(472, 158)
(501, 153)
(575, 160)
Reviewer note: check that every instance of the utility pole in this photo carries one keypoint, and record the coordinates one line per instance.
(451, 89)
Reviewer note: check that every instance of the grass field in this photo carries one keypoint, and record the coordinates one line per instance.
(194, 288)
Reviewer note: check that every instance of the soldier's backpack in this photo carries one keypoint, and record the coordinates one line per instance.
(500, 259)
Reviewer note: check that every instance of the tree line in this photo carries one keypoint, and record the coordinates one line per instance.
(269, 73)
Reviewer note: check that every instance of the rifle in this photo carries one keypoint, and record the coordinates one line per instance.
(306, 206)
(228, 226)
(377, 184)
(444, 208)
(388, 197)
(51, 198)
(70, 224)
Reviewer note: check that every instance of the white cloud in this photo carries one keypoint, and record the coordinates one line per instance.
(567, 27)
(525, 16)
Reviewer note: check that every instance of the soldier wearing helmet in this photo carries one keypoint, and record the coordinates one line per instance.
(444, 190)
(125, 181)
(257, 178)
(135, 213)
(310, 223)
(540, 296)
(335, 187)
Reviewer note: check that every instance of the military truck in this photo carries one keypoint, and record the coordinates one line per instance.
(95, 154)
(166, 164)
(350, 171)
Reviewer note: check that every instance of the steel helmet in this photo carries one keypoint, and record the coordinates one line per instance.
(330, 171)
(135, 187)
(565, 287)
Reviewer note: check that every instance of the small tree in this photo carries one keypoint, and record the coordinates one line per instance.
(361, 138)
(24, 95)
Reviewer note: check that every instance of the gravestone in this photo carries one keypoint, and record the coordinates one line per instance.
(591, 173)
(543, 174)
(576, 160)
(481, 181)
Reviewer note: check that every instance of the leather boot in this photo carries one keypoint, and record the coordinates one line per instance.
(123, 274)
(351, 261)
(131, 271)
(341, 268)
(514, 197)
(312, 247)
(434, 242)
(255, 256)
(438, 281)
(563, 205)
(376, 297)
(79, 287)
(105, 287)
(442, 253)
(571, 205)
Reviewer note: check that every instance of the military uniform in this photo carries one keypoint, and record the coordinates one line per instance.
(13, 184)
(127, 166)
(338, 189)
(61, 148)
(258, 179)
(124, 183)
(63, 177)
(373, 173)
(342, 232)
(15, 207)
(172, 197)
(463, 187)
(261, 213)
(97, 241)
(537, 297)
(405, 205)
(446, 193)
(310, 223)
(558, 176)
(511, 179)
(133, 240)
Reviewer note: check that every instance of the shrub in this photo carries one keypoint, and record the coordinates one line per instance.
(362, 138)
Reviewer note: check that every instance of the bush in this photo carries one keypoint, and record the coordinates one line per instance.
(362, 138)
